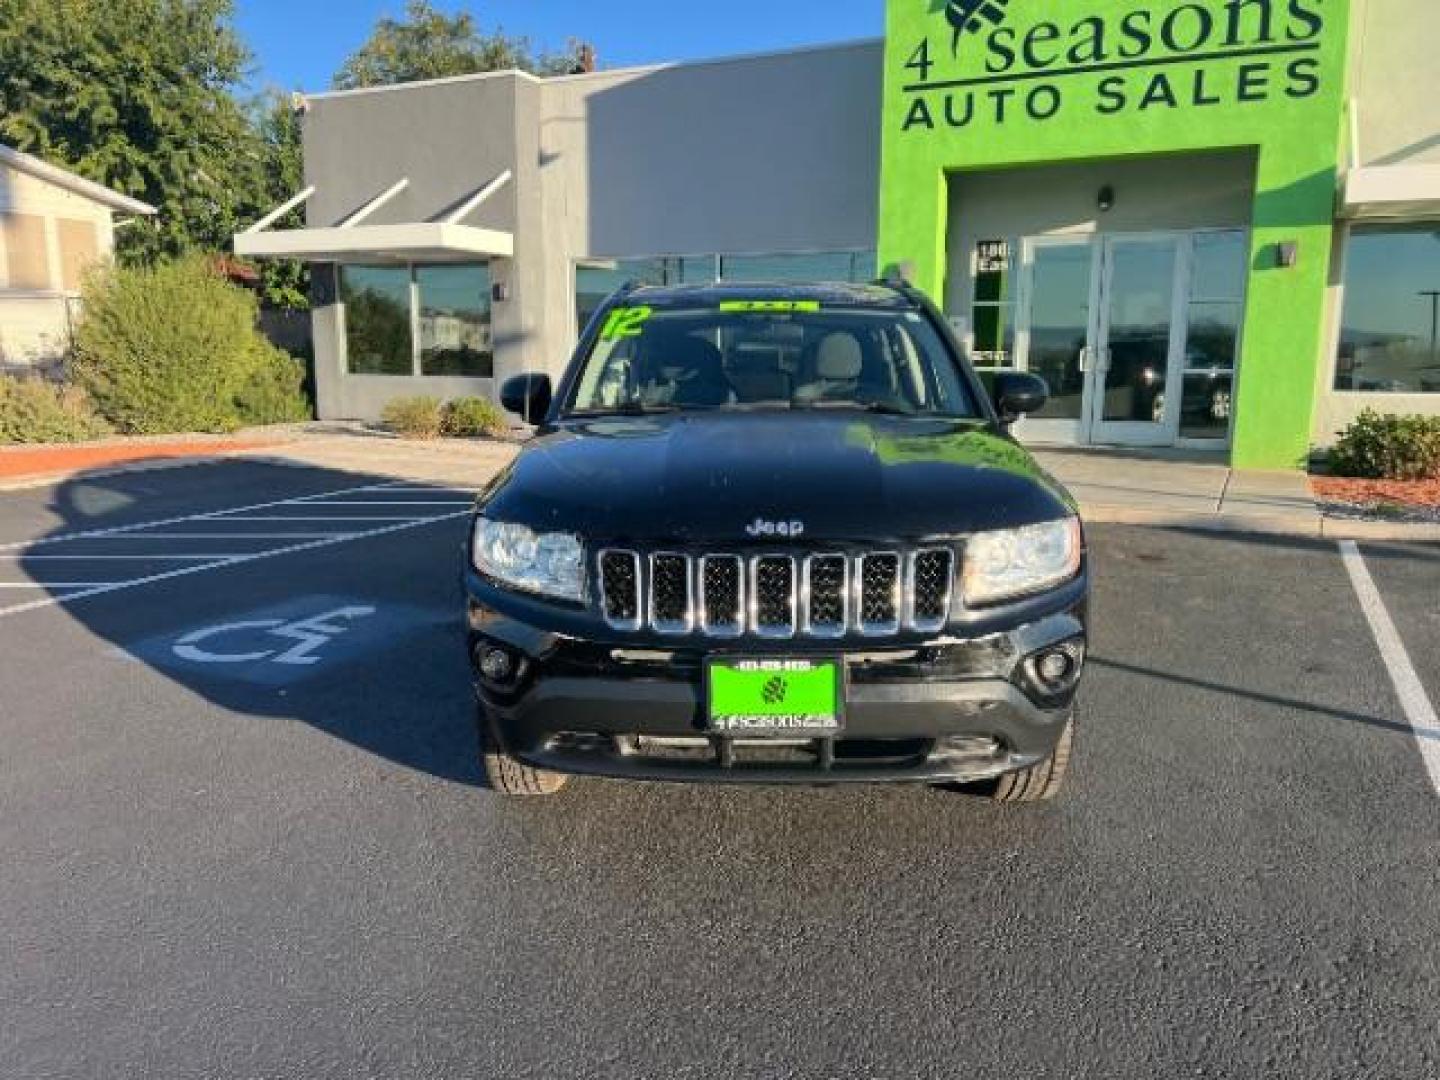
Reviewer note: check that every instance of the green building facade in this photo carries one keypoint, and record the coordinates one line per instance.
(1166, 330)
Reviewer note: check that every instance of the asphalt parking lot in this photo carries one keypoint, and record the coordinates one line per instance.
(242, 833)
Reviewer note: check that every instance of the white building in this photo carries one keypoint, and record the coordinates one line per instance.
(53, 225)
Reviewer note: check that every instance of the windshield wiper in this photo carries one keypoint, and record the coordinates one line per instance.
(878, 407)
(630, 408)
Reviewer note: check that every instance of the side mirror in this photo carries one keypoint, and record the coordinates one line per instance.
(1018, 393)
(527, 396)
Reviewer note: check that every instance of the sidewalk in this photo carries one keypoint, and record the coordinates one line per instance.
(1174, 489)
(1167, 489)
(357, 449)
(1161, 489)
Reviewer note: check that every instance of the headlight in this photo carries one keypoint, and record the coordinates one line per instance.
(548, 563)
(1011, 563)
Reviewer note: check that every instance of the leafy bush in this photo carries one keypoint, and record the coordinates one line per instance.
(274, 392)
(1389, 447)
(173, 347)
(415, 417)
(36, 410)
(469, 417)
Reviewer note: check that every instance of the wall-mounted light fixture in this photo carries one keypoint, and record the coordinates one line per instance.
(1287, 254)
(500, 292)
(1106, 199)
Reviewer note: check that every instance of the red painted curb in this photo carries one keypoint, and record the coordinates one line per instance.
(20, 464)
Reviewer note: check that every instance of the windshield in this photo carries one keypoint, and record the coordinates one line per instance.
(770, 354)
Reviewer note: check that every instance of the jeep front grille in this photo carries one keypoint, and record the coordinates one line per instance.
(778, 596)
(880, 598)
(671, 605)
(620, 589)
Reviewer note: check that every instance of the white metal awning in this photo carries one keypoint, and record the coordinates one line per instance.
(1391, 193)
(443, 240)
(420, 242)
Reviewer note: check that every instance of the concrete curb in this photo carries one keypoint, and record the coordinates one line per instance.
(1301, 525)
(40, 480)
(1304, 526)
(1413, 532)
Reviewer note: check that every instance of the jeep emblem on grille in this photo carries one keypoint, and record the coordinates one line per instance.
(761, 527)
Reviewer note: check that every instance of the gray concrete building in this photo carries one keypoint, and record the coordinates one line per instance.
(754, 167)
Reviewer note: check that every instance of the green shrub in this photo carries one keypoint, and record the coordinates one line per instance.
(274, 393)
(1389, 447)
(174, 347)
(34, 410)
(469, 417)
(414, 417)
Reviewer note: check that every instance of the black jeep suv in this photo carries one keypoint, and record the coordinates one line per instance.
(775, 534)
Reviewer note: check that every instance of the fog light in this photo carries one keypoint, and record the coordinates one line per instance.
(496, 665)
(1053, 671)
(1054, 668)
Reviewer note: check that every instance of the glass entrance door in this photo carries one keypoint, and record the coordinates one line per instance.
(1139, 342)
(1136, 336)
(1056, 332)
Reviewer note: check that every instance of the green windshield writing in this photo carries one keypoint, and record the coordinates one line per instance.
(626, 322)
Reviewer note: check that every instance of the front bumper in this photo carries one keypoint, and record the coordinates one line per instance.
(943, 709)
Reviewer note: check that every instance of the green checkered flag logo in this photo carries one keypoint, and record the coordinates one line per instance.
(970, 15)
(775, 691)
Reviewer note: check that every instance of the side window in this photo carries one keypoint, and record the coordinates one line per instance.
(610, 381)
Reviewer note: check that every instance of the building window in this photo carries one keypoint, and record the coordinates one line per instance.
(1390, 329)
(377, 319)
(78, 251)
(420, 320)
(819, 266)
(455, 321)
(25, 251)
(1216, 309)
(596, 279)
(992, 313)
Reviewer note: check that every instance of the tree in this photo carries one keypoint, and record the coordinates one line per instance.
(138, 95)
(276, 122)
(428, 44)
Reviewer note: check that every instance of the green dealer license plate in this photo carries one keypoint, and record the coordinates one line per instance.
(775, 697)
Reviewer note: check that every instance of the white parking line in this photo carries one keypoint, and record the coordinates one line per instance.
(1416, 703)
(89, 533)
(220, 564)
(148, 557)
(56, 584)
(222, 536)
(335, 517)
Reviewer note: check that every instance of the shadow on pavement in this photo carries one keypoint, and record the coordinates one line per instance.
(361, 639)
(1260, 697)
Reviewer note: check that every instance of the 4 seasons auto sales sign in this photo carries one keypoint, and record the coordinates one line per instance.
(1001, 62)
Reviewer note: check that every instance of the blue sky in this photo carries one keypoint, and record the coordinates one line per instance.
(298, 44)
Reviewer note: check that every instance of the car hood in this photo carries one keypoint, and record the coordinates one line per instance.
(691, 478)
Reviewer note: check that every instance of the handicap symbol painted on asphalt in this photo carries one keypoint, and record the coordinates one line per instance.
(301, 638)
(305, 637)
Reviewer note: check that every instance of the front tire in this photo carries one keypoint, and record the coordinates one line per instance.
(508, 775)
(1039, 783)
